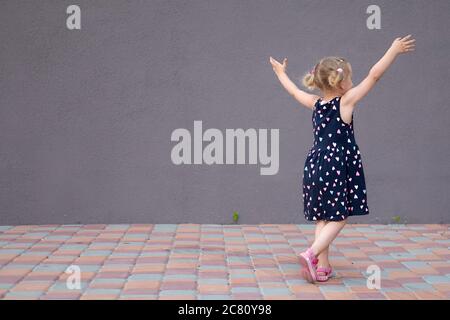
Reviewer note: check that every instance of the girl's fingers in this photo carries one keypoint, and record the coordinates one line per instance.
(273, 61)
(406, 37)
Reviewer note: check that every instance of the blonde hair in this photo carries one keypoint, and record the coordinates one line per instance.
(326, 75)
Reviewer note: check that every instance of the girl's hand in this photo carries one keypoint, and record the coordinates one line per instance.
(403, 45)
(278, 67)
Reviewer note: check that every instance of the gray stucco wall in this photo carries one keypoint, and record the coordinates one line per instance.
(86, 116)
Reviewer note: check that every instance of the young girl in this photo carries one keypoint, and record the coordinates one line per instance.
(333, 177)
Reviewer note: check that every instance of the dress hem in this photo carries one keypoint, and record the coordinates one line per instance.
(338, 219)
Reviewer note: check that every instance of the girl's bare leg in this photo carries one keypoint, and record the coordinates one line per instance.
(323, 256)
(327, 234)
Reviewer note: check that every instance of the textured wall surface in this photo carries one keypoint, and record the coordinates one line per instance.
(86, 116)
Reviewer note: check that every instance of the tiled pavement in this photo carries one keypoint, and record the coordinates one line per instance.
(203, 261)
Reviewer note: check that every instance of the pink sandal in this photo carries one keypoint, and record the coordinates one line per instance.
(309, 262)
(327, 271)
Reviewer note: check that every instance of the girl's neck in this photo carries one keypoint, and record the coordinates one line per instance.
(327, 96)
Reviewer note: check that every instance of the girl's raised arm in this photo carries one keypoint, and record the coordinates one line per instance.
(306, 99)
(400, 45)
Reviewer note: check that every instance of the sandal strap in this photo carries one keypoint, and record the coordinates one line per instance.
(326, 270)
(311, 255)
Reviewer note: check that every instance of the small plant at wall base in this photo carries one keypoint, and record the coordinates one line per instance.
(397, 220)
(235, 216)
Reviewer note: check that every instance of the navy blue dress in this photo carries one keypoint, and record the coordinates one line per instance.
(333, 176)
